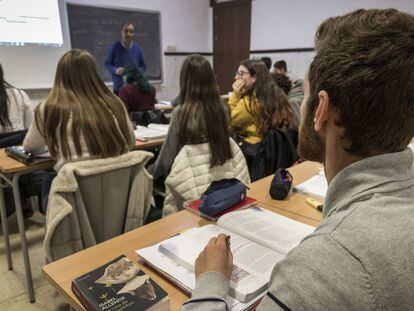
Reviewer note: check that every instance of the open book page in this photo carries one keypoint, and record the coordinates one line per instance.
(179, 275)
(316, 185)
(253, 263)
(159, 127)
(145, 133)
(266, 228)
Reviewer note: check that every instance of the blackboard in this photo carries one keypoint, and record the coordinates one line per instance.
(95, 29)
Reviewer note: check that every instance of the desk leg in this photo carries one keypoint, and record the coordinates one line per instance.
(23, 241)
(5, 229)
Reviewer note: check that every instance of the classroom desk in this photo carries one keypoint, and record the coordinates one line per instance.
(61, 273)
(149, 144)
(295, 202)
(10, 172)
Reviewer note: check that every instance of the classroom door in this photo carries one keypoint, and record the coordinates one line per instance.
(231, 39)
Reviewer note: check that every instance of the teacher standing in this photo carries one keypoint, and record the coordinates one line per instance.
(124, 53)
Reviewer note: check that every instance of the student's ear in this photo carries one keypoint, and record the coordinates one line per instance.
(254, 78)
(322, 111)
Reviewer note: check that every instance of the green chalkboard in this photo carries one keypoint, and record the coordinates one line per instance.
(95, 29)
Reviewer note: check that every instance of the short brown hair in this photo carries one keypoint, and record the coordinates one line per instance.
(365, 62)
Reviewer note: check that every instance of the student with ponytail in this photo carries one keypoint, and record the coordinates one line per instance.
(137, 94)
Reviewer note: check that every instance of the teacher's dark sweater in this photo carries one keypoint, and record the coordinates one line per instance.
(119, 56)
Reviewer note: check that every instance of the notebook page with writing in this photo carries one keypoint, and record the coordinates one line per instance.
(266, 228)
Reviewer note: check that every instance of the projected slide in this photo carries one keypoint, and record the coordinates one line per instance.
(30, 21)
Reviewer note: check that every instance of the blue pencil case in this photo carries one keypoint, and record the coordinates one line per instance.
(221, 195)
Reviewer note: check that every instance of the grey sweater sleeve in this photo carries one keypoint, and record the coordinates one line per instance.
(210, 293)
(169, 149)
(319, 274)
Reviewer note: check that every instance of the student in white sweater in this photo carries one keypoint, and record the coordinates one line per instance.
(198, 148)
(16, 109)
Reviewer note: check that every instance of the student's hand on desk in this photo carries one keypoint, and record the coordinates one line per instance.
(120, 71)
(216, 257)
(238, 86)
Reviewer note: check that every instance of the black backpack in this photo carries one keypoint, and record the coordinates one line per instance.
(146, 117)
(277, 149)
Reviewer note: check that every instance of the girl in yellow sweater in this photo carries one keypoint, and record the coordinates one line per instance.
(257, 105)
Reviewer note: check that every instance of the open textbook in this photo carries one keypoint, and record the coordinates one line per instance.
(152, 131)
(259, 239)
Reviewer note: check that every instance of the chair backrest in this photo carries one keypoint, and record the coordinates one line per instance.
(105, 199)
(12, 138)
(146, 117)
(277, 149)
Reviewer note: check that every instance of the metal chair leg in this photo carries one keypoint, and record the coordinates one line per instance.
(5, 229)
(23, 241)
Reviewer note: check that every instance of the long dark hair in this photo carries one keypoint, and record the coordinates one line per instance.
(272, 109)
(4, 102)
(97, 115)
(203, 118)
(134, 76)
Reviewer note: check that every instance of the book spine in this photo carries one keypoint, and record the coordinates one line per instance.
(83, 300)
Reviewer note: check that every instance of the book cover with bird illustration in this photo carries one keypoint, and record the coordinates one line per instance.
(119, 285)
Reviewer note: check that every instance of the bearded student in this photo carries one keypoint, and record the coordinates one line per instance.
(357, 114)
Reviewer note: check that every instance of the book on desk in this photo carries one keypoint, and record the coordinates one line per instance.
(259, 239)
(119, 285)
(151, 132)
(18, 153)
(194, 206)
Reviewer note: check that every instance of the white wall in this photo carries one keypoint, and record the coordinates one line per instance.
(284, 24)
(186, 24)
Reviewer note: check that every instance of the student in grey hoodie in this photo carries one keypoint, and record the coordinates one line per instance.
(357, 119)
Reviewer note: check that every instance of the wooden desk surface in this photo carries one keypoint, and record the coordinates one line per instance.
(295, 202)
(61, 273)
(148, 144)
(10, 165)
